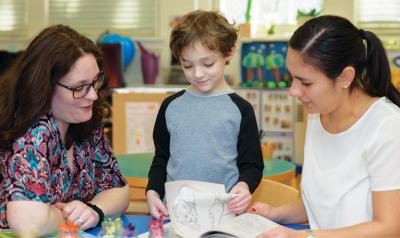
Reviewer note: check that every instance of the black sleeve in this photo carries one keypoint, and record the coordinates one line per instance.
(249, 161)
(161, 137)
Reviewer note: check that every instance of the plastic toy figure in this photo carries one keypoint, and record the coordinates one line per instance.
(69, 230)
(156, 229)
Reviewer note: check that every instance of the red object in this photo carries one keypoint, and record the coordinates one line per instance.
(253, 209)
(156, 229)
(113, 64)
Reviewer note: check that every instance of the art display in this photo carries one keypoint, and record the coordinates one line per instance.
(263, 65)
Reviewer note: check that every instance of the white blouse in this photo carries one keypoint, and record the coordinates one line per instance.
(341, 170)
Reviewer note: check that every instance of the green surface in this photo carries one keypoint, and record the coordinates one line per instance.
(135, 165)
(277, 166)
(8, 234)
(138, 165)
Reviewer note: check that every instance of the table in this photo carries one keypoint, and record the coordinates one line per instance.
(135, 168)
(279, 170)
(141, 223)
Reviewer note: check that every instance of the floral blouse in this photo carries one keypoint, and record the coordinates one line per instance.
(36, 169)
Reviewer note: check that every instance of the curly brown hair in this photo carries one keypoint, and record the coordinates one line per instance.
(210, 28)
(27, 88)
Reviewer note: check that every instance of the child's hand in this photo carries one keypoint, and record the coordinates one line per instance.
(156, 206)
(264, 210)
(242, 198)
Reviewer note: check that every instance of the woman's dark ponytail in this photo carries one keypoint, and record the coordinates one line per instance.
(377, 77)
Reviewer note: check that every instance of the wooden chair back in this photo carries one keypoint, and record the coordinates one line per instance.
(137, 203)
(274, 193)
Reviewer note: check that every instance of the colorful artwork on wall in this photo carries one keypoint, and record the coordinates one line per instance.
(263, 65)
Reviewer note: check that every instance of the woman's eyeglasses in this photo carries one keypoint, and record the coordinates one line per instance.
(83, 89)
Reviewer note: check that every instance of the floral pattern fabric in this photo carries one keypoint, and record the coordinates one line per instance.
(36, 169)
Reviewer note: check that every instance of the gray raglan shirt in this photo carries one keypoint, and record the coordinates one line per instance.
(211, 138)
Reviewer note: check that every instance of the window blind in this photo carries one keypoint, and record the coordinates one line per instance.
(370, 11)
(93, 17)
(13, 18)
(380, 16)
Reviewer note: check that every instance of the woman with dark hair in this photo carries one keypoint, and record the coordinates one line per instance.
(56, 163)
(350, 182)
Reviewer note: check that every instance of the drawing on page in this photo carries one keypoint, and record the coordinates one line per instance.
(184, 208)
(218, 210)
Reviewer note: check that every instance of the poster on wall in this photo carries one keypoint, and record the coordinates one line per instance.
(263, 65)
(254, 98)
(140, 119)
(277, 111)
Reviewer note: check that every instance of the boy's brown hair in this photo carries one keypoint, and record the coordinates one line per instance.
(210, 28)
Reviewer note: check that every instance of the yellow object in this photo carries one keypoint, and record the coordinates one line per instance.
(267, 149)
(245, 30)
(396, 77)
(274, 193)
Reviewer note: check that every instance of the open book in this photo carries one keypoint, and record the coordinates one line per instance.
(246, 225)
(199, 209)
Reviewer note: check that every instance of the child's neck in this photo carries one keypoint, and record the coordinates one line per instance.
(222, 87)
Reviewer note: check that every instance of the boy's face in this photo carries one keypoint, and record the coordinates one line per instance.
(204, 68)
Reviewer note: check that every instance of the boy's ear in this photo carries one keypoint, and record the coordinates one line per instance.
(347, 76)
(231, 53)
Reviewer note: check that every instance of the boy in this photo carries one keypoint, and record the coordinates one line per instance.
(205, 132)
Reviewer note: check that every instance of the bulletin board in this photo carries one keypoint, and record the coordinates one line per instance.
(133, 117)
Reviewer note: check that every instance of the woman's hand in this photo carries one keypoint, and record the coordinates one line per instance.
(239, 203)
(79, 213)
(156, 206)
(281, 232)
(264, 210)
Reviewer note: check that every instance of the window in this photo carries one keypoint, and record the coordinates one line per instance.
(378, 11)
(379, 16)
(93, 17)
(13, 18)
(277, 12)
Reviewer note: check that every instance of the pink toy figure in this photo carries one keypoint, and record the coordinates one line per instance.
(156, 229)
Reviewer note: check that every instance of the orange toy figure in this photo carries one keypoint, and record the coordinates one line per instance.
(69, 230)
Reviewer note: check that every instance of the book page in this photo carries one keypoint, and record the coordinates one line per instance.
(196, 207)
(246, 225)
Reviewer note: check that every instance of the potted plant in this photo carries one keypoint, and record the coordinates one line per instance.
(305, 15)
(245, 29)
